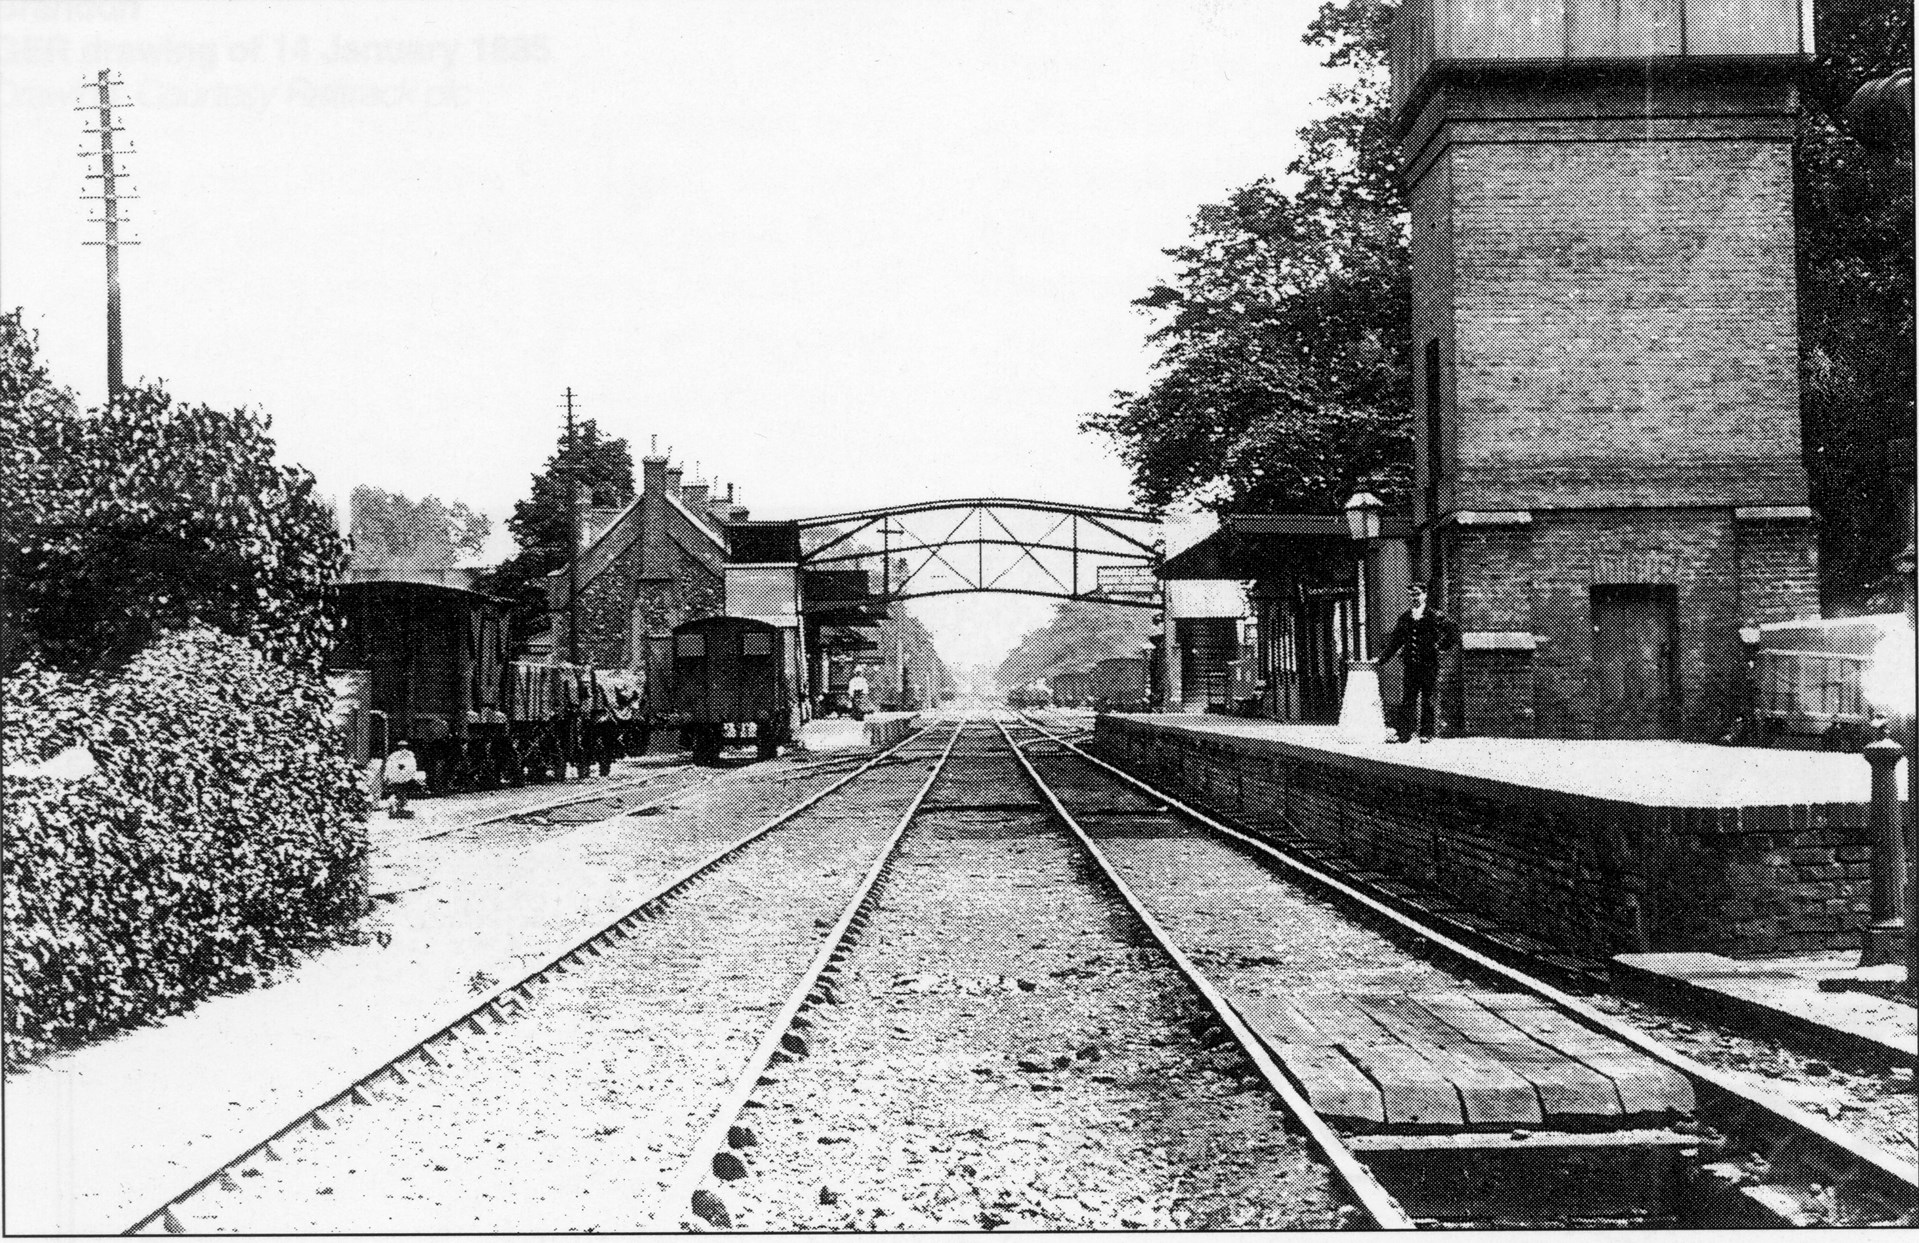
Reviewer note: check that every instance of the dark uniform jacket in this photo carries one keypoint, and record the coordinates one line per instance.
(1420, 642)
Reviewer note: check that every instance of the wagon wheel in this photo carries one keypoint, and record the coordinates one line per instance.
(462, 772)
(436, 769)
(508, 765)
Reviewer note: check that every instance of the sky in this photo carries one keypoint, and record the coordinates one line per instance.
(839, 254)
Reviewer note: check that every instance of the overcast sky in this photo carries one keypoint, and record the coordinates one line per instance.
(839, 254)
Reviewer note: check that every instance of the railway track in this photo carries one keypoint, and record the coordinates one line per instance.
(372, 1146)
(876, 1010)
(1716, 1151)
(757, 1164)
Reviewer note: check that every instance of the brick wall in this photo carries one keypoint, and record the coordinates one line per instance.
(1605, 254)
(1536, 580)
(1592, 876)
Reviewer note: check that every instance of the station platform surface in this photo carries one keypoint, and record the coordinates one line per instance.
(1793, 990)
(1651, 773)
(835, 733)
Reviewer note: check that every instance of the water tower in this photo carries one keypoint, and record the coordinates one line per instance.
(1605, 354)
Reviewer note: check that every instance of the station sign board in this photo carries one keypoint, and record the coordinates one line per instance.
(1131, 581)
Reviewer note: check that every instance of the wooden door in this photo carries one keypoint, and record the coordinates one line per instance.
(1319, 650)
(1634, 683)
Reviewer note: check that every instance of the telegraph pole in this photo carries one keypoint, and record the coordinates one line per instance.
(573, 540)
(109, 198)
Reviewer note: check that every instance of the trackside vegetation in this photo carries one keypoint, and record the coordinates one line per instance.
(180, 812)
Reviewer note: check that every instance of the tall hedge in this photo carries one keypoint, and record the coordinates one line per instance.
(221, 831)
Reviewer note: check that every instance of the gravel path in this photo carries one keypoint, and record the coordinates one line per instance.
(1007, 1054)
(572, 1116)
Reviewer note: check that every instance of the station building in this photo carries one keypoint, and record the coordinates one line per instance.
(679, 552)
(1609, 475)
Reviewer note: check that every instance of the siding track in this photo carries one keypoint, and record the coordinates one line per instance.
(437, 1102)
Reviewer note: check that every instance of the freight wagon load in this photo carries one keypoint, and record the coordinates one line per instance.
(437, 673)
(1119, 684)
(1070, 690)
(735, 681)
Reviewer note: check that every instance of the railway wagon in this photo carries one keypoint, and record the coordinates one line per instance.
(1070, 689)
(438, 674)
(1034, 694)
(735, 680)
(1119, 684)
(1809, 679)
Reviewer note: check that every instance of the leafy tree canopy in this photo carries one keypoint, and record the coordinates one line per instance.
(1856, 273)
(389, 529)
(1282, 380)
(601, 467)
(148, 516)
(1283, 376)
(1079, 634)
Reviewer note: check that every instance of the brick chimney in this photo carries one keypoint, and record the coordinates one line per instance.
(653, 475)
(673, 481)
(695, 495)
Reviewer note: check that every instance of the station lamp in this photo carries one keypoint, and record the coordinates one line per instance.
(1361, 715)
(1363, 515)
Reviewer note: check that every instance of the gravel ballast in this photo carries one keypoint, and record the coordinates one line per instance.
(571, 1116)
(1010, 1051)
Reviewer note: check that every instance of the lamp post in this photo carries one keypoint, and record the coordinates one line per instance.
(1362, 717)
(1884, 939)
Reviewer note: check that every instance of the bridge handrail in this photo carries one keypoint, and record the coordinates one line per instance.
(982, 502)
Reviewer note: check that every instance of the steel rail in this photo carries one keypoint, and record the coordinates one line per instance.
(1904, 1178)
(675, 1204)
(1367, 1193)
(534, 809)
(511, 996)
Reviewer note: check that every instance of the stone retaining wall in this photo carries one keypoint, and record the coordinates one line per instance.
(1595, 876)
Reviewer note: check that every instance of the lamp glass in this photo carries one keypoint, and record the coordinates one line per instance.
(1363, 515)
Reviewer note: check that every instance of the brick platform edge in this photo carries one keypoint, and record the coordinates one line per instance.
(1594, 876)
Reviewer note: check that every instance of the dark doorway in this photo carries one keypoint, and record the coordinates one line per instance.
(1635, 687)
(1208, 647)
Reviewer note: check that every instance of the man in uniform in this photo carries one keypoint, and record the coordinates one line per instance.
(1418, 638)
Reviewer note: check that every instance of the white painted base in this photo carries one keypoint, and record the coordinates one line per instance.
(1362, 716)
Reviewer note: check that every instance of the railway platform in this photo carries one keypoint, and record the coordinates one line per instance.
(1725, 881)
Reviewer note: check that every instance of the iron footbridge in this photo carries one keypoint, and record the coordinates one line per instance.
(992, 544)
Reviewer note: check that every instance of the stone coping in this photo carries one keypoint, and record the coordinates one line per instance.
(1629, 775)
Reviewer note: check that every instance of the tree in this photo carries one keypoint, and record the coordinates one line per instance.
(389, 529)
(1856, 275)
(1079, 634)
(1283, 379)
(152, 515)
(601, 467)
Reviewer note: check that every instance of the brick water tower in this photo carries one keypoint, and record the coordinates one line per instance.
(1605, 354)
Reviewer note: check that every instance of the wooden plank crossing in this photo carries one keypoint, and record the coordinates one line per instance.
(1459, 1063)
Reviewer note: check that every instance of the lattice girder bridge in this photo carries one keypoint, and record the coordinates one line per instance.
(992, 544)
